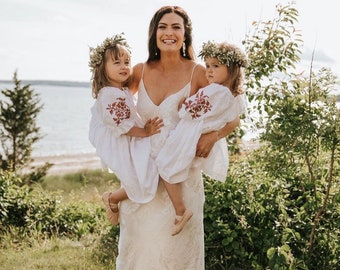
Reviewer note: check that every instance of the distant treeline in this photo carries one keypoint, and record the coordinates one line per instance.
(49, 82)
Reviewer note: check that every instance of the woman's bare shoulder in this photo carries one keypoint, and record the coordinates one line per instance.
(136, 76)
(199, 79)
(138, 67)
(199, 68)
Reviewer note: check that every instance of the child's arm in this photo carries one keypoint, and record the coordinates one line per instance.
(151, 127)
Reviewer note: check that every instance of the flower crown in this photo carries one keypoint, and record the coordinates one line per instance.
(97, 54)
(226, 54)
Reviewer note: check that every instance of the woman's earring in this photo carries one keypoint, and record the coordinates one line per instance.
(183, 49)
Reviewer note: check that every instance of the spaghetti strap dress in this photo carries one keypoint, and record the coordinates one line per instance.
(145, 241)
(209, 109)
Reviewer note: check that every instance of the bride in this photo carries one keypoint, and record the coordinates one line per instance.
(169, 75)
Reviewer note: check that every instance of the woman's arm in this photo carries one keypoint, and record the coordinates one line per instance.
(207, 140)
(135, 78)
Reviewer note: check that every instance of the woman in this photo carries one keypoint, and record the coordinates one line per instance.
(169, 75)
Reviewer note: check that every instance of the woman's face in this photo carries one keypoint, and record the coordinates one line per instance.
(170, 33)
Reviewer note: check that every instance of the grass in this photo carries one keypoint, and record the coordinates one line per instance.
(51, 254)
(36, 252)
(85, 183)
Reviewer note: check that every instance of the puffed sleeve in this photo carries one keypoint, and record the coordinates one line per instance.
(116, 111)
(209, 101)
(209, 105)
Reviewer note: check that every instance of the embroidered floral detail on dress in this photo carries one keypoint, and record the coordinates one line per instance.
(199, 106)
(119, 110)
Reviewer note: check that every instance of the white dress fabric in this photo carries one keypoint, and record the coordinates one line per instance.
(112, 115)
(145, 241)
(209, 109)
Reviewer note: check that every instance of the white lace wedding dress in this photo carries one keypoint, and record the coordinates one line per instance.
(145, 229)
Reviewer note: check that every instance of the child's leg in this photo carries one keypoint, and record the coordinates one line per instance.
(182, 214)
(118, 196)
(111, 200)
(175, 194)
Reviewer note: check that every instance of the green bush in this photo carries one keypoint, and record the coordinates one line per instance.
(242, 218)
(258, 221)
(106, 250)
(40, 211)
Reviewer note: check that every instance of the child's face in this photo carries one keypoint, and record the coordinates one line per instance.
(118, 70)
(215, 71)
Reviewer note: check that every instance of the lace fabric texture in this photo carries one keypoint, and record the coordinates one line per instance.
(145, 241)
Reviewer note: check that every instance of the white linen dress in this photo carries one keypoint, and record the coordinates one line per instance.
(145, 241)
(113, 115)
(209, 109)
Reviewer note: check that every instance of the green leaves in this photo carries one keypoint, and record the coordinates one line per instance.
(43, 212)
(18, 128)
(279, 208)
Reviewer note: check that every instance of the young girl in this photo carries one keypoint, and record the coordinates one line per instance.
(208, 110)
(114, 121)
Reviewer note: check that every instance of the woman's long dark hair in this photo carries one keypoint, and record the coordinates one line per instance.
(154, 53)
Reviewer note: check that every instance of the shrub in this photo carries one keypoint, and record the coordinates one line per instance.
(40, 211)
(257, 221)
(19, 131)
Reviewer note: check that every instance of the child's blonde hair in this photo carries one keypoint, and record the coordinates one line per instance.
(115, 48)
(233, 58)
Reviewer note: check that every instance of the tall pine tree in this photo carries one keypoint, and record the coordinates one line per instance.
(19, 108)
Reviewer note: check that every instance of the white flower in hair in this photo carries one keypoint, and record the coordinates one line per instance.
(97, 54)
(227, 54)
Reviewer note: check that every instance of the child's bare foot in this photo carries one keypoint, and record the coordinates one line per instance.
(181, 221)
(112, 210)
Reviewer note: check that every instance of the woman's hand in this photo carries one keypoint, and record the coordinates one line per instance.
(206, 143)
(207, 140)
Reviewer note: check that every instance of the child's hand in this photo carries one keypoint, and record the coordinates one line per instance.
(153, 126)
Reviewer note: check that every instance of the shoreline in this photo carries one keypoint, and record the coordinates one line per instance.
(68, 163)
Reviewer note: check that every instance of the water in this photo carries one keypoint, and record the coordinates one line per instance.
(64, 120)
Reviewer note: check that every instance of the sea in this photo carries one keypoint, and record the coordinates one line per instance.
(64, 118)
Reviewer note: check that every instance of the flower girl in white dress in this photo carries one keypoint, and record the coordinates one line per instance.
(208, 110)
(114, 122)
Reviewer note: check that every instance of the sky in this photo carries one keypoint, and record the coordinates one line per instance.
(50, 39)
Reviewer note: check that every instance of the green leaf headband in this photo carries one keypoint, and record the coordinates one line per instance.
(97, 54)
(227, 54)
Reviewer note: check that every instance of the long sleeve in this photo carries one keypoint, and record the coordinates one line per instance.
(115, 110)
